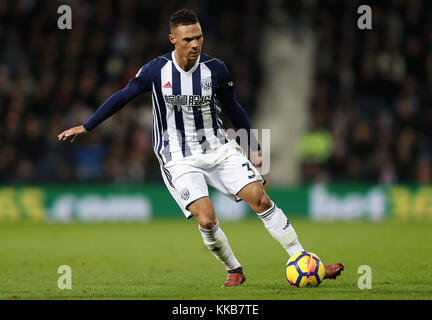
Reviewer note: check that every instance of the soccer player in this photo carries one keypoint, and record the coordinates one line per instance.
(189, 89)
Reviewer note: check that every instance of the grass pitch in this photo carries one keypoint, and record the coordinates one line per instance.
(166, 259)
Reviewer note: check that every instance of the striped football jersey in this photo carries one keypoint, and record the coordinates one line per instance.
(185, 107)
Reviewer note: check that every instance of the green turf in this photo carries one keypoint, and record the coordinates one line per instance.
(166, 259)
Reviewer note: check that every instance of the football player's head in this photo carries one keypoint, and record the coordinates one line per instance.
(186, 34)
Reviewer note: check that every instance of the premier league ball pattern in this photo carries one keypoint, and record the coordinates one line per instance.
(304, 269)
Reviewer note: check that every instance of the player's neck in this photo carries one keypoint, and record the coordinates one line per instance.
(183, 62)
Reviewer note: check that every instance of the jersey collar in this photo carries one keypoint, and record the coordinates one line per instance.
(179, 69)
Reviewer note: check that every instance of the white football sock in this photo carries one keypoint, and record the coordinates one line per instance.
(217, 242)
(281, 229)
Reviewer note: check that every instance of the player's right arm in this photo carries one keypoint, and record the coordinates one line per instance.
(139, 84)
(236, 113)
(72, 132)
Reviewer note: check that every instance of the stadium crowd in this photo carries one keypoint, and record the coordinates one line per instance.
(52, 79)
(371, 101)
(372, 93)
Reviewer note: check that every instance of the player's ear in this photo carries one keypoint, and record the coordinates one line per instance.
(171, 38)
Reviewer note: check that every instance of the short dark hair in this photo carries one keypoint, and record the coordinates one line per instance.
(183, 17)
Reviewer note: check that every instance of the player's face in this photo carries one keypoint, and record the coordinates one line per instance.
(188, 40)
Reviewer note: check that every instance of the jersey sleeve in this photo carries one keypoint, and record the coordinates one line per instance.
(223, 76)
(229, 104)
(145, 75)
(141, 83)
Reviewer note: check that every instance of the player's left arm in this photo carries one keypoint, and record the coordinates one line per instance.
(237, 115)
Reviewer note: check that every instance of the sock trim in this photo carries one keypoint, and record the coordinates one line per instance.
(267, 213)
(235, 270)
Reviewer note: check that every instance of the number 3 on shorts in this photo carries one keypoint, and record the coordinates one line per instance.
(246, 164)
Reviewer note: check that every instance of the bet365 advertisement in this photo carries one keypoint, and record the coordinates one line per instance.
(115, 203)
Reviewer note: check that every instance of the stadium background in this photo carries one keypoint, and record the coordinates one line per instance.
(350, 118)
(344, 105)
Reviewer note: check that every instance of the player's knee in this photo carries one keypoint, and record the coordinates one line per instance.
(206, 219)
(203, 212)
(207, 224)
(263, 203)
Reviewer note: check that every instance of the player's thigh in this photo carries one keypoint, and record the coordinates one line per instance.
(186, 188)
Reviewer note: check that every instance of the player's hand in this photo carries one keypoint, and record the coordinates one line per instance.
(72, 132)
(256, 159)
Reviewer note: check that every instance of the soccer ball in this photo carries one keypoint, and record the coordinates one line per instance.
(304, 269)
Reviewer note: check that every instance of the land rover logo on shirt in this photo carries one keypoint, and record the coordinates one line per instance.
(206, 84)
(184, 194)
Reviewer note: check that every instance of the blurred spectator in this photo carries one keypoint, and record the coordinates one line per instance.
(373, 91)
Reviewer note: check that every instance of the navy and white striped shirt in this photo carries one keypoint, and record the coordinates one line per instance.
(186, 105)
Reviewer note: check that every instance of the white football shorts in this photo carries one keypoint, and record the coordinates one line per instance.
(226, 169)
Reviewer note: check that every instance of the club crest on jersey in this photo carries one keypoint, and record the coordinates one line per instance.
(184, 194)
(206, 84)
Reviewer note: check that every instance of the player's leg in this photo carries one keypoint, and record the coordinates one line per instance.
(273, 217)
(215, 239)
(277, 223)
(188, 187)
(236, 176)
